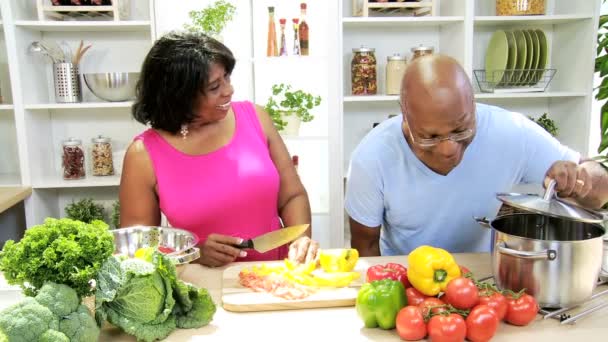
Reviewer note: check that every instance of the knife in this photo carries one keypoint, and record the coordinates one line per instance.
(274, 239)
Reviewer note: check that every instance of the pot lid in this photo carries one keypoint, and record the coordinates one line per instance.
(550, 205)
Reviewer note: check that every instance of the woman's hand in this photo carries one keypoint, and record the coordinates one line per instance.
(218, 250)
(303, 250)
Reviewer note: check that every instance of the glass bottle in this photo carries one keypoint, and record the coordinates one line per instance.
(296, 161)
(296, 40)
(72, 159)
(101, 156)
(271, 46)
(283, 52)
(303, 30)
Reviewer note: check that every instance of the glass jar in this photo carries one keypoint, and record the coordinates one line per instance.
(101, 156)
(72, 159)
(520, 7)
(363, 71)
(420, 51)
(395, 67)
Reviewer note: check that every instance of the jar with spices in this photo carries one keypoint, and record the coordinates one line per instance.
(101, 153)
(420, 51)
(395, 67)
(73, 159)
(363, 71)
(520, 7)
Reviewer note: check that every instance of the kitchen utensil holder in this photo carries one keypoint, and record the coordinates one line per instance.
(67, 82)
(514, 81)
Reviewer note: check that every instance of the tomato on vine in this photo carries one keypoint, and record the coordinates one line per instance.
(482, 323)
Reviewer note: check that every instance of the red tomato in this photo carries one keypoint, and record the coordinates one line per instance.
(447, 328)
(414, 297)
(496, 301)
(391, 270)
(165, 250)
(430, 302)
(461, 293)
(522, 310)
(482, 323)
(410, 324)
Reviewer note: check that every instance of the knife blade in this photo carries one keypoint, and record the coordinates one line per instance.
(274, 239)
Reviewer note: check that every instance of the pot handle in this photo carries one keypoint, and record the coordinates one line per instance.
(484, 222)
(187, 256)
(548, 254)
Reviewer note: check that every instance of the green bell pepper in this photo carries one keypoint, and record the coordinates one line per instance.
(379, 302)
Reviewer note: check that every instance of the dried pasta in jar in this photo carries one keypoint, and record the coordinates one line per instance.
(520, 7)
(101, 156)
(363, 72)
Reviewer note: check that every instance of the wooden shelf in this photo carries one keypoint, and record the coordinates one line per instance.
(81, 105)
(400, 21)
(371, 98)
(530, 19)
(56, 182)
(548, 94)
(79, 26)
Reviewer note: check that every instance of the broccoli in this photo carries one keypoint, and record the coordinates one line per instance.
(53, 336)
(79, 326)
(27, 321)
(55, 314)
(60, 299)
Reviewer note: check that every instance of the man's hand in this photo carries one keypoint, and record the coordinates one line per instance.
(219, 250)
(572, 180)
(303, 250)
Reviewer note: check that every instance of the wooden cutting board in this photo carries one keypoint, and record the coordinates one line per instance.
(236, 297)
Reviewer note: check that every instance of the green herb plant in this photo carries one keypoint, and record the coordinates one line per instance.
(213, 19)
(85, 210)
(284, 102)
(115, 217)
(548, 124)
(601, 67)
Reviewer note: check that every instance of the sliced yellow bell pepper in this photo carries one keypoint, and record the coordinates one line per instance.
(335, 279)
(338, 260)
(431, 269)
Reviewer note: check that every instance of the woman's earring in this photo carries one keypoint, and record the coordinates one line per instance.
(184, 131)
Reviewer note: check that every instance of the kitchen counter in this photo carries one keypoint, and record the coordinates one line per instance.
(9, 196)
(343, 324)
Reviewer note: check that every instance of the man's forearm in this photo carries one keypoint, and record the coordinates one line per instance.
(598, 196)
(366, 248)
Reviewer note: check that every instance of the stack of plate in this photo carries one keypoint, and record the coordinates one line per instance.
(516, 58)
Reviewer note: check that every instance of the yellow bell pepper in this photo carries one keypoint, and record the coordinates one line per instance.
(335, 279)
(338, 260)
(431, 269)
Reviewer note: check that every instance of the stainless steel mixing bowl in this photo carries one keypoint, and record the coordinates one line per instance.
(182, 242)
(112, 86)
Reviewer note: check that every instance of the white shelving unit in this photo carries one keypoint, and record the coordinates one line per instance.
(41, 123)
(462, 30)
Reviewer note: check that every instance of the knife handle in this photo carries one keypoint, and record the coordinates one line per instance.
(245, 244)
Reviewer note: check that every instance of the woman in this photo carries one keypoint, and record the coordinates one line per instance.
(214, 167)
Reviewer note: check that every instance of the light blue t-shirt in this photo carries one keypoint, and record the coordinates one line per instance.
(389, 186)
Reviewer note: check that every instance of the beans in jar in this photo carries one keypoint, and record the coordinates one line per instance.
(73, 159)
(363, 72)
(101, 153)
(420, 51)
(520, 7)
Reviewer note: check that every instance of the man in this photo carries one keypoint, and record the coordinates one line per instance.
(424, 175)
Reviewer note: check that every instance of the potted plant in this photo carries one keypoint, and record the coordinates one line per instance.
(288, 108)
(601, 67)
(212, 20)
(548, 124)
(85, 210)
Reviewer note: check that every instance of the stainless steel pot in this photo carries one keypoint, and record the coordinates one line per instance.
(555, 259)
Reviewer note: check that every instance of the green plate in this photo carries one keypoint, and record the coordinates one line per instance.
(543, 54)
(532, 79)
(512, 59)
(529, 58)
(497, 55)
(522, 54)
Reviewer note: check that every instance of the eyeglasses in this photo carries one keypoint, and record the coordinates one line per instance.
(429, 143)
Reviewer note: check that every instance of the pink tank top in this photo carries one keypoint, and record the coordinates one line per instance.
(231, 191)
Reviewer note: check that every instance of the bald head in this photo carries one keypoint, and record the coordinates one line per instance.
(436, 81)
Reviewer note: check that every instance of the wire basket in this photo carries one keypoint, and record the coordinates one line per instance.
(515, 80)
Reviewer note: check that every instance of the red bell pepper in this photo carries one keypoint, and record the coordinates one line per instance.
(391, 270)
